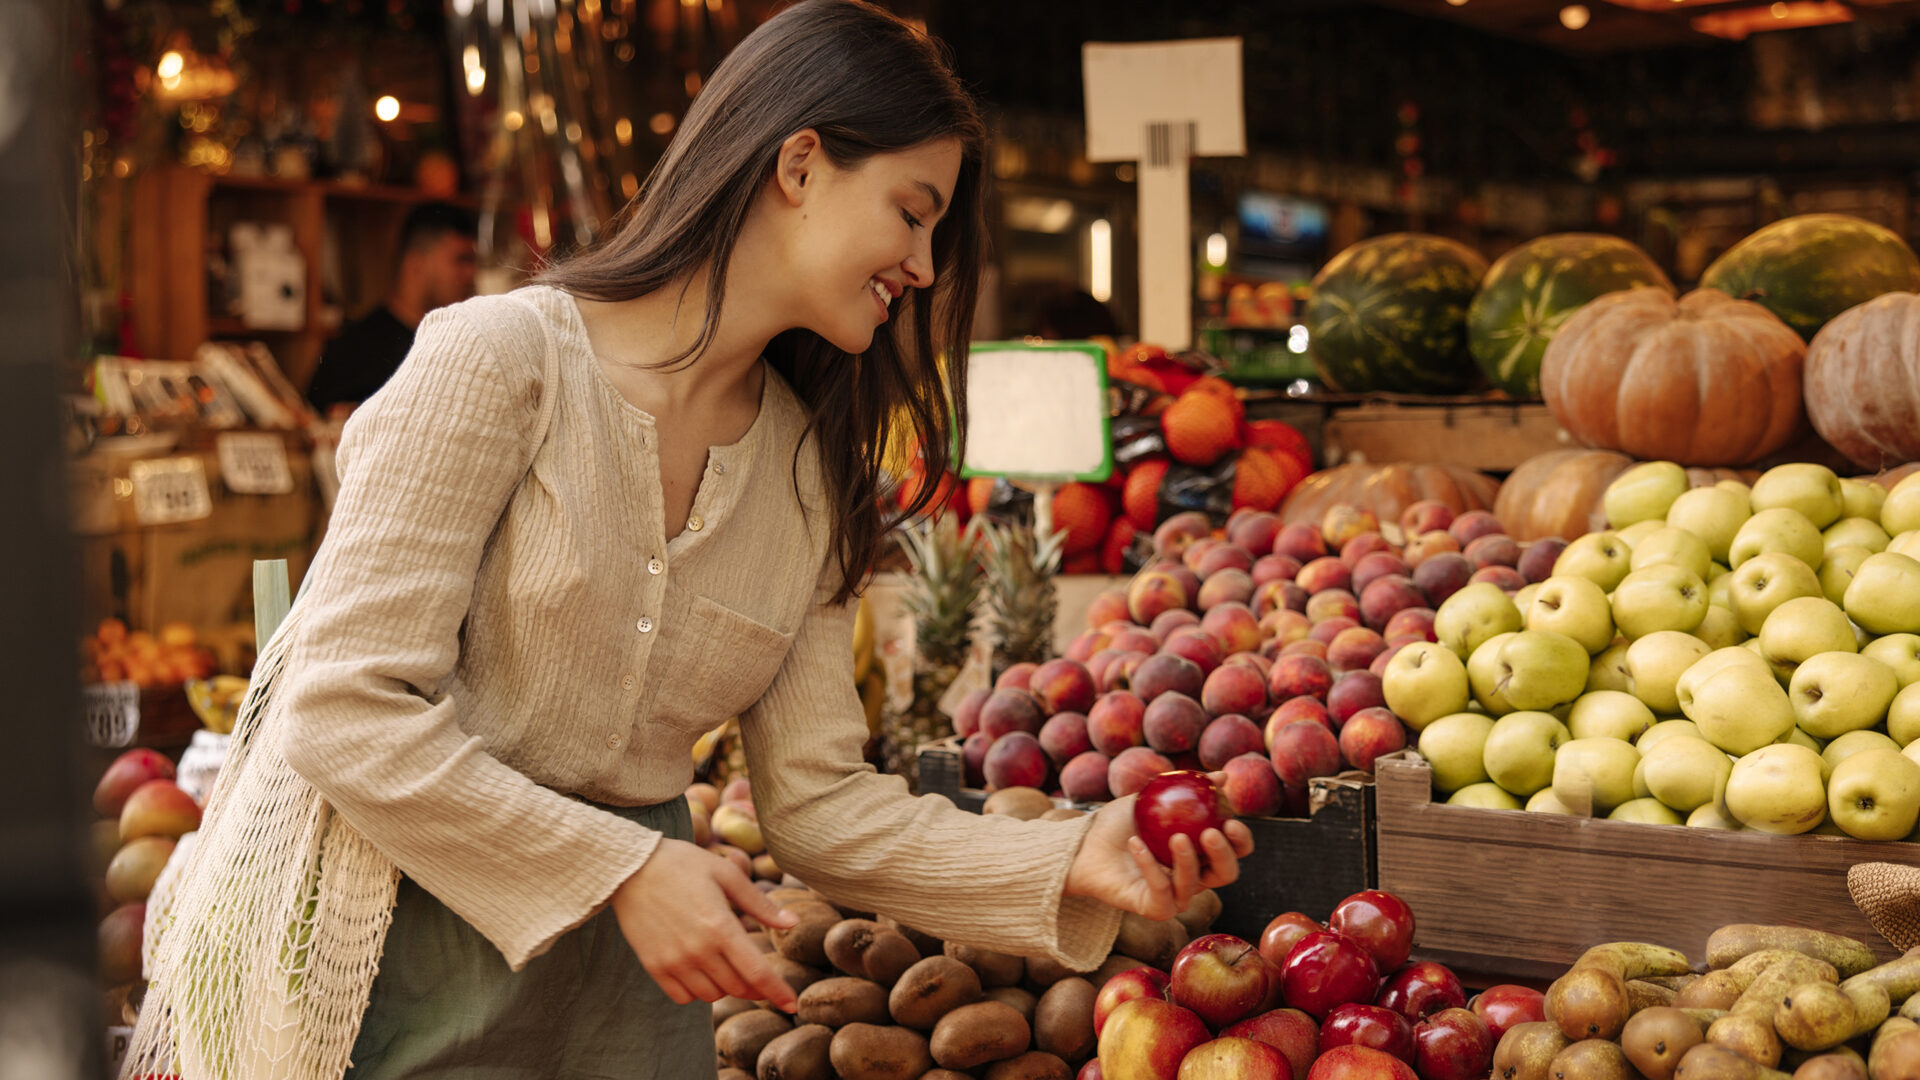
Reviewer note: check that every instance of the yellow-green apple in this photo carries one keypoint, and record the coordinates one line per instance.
(1884, 597)
(1852, 531)
(1575, 606)
(1655, 664)
(1853, 742)
(1861, 498)
(1903, 716)
(1524, 598)
(1685, 772)
(1545, 802)
(1645, 811)
(1714, 514)
(1232, 1058)
(1594, 773)
(1712, 816)
(1600, 557)
(1423, 682)
(1732, 484)
(1455, 747)
(1606, 714)
(1707, 665)
(1608, 671)
(1484, 674)
(1146, 1039)
(1811, 490)
(1670, 545)
(1633, 534)
(1471, 616)
(1906, 543)
(1875, 795)
(1537, 669)
(1720, 588)
(1800, 738)
(1766, 581)
(1139, 982)
(1661, 597)
(135, 867)
(1518, 754)
(1779, 529)
(1720, 628)
(1739, 709)
(1643, 493)
(1901, 652)
(1662, 731)
(1802, 627)
(1485, 795)
(1837, 692)
(1837, 572)
(1777, 789)
(1901, 510)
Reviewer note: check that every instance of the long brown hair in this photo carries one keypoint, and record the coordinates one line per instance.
(868, 84)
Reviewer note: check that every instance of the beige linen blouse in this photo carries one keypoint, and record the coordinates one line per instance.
(482, 639)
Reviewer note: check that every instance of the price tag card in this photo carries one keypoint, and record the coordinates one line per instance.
(1038, 411)
(112, 713)
(254, 463)
(170, 490)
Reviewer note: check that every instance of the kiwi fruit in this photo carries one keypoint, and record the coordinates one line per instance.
(1032, 1065)
(1024, 803)
(973, 1035)
(926, 944)
(800, 1054)
(761, 941)
(839, 1002)
(794, 973)
(1201, 911)
(931, 989)
(1044, 971)
(1063, 1021)
(741, 1038)
(994, 969)
(806, 940)
(1154, 942)
(1062, 813)
(875, 1052)
(1021, 999)
(731, 1073)
(846, 945)
(729, 1007)
(1114, 965)
(889, 956)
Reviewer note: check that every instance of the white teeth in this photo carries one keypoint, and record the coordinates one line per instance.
(880, 290)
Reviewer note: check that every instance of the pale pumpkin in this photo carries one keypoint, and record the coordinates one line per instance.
(1863, 381)
(1702, 380)
(1559, 493)
(1387, 490)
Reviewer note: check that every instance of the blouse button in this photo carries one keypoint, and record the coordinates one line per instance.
(694, 523)
(645, 624)
(613, 742)
(720, 467)
(654, 566)
(626, 683)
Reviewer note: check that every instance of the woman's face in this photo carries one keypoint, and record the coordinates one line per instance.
(864, 236)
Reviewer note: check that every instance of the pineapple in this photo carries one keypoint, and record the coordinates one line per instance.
(946, 583)
(1020, 594)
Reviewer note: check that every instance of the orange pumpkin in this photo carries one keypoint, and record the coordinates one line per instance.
(1702, 380)
(1387, 490)
(1863, 381)
(1559, 493)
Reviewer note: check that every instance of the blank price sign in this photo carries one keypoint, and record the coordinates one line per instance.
(254, 463)
(167, 491)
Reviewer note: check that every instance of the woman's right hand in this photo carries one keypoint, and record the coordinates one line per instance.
(677, 912)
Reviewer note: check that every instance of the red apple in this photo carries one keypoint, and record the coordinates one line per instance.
(1284, 932)
(1421, 989)
(1064, 737)
(1227, 737)
(1473, 525)
(1220, 977)
(1289, 1031)
(1178, 804)
(1196, 644)
(1084, 779)
(1370, 735)
(1251, 786)
(1381, 922)
(1133, 769)
(1452, 1044)
(1359, 1063)
(1355, 1024)
(1232, 1058)
(1507, 1006)
(1301, 752)
(1140, 982)
(1352, 692)
(1326, 970)
(1063, 686)
(1117, 722)
(1146, 1039)
(128, 771)
(1302, 543)
(1163, 672)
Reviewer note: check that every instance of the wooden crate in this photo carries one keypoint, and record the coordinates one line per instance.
(1493, 436)
(1506, 894)
(1299, 864)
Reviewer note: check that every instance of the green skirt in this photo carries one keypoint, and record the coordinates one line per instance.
(444, 1003)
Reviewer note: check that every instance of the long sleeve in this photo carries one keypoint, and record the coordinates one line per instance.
(852, 833)
(428, 465)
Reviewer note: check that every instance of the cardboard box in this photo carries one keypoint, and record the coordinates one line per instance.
(1510, 895)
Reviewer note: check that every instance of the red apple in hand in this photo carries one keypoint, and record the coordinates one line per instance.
(1371, 1026)
(1229, 1058)
(1359, 1063)
(1220, 978)
(1147, 1040)
(1181, 803)
(1381, 922)
(1283, 933)
(1452, 1044)
(1140, 982)
(1326, 970)
(1289, 1031)
(1506, 1006)
(1420, 990)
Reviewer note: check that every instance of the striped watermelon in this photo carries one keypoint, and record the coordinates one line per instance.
(1532, 289)
(1390, 313)
(1809, 268)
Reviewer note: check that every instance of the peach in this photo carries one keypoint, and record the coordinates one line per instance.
(1389, 596)
(1273, 568)
(1227, 586)
(1163, 672)
(973, 758)
(1505, 577)
(1379, 665)
(1255, 531)
(1017, 676)
(1085, 644)
(1167, 622)
(1172, 537)
(1064, 737)
(1190, 557)
(1110, 605)
(119, 947)
(1428, 544)
(1352, 692)
(1372, 568)
(1537, 559)
(1084, 779)
(1354, 648)
(1301, 543)
(1253, 660)
(1007, 711)
(1303, 751)
(1138, 639)
(1367, 543)
(1116, 722)
(739, 790)
(1441, 576)
(1306, 646)
(1413, 620)
(1152, 592)
(1344, 521)
(1330, 627)
(1119, 674)
(1332, 603)
(1251, 786)
(1279, 595)
(1284, 625)
(1131, 769)
(1223, 557)
(1063, 686)
(739, 826)
(1425, 516)
(1295, 711)
(1174, 722)
(1016, 760)
(1099, 662)
(966, 716)
(1196, 645)
(158, 808)
(1234, 626)
(1235, 688)
(1189, 581)
(1300, 676)
(1369, 735)
(1473, 525)
(1493, 549)
(1226, 738)
(705, 797)
(128, 771)
(1326, 572)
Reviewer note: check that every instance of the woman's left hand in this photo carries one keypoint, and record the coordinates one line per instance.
(1114, 866)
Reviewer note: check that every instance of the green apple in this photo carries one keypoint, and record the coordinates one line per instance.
(1662, 731)
(1779, 529)
(1863, 532)
(1667, 544)
(1837, 572)
(1643, 493)
(1472, 615)
(1901, 510)
(1712, 816)
(1646, 811)
(1777, 789)
(1609, 714)
(1861, 498)
(1851, 743)
(1906, 543)
(1720, 587)
(1595, 773)
(1802, 627)
(1901, 652)
(1655, 664)
(1720, 628)
(1575, 606)
(1875, 795)
(1486, 796)
(1740, 709)
(1423, 682)
(1544, 802)
(1714, 514)
(1685, 772)
(1634, 534)
(1837, 692)
(1660, 597)
(1911, 752)
(1884, 597)
(1766, 581)
(1536, 669)
(1800, 738)
(1518, 754)
(1484, 675)
(1524, 598)
(1454, 746)
(1811, 490)
(1609, 668)
(1600, 557)
(1707, 665)
(1903, 715)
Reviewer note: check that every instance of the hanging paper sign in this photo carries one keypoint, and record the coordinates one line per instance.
(111, 712)
(170, 490)
(254, 463)
(1037, 411)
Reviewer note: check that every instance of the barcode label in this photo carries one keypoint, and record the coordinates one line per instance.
(111, 712)
(254, 463)
(170, 490)
(1168, 142)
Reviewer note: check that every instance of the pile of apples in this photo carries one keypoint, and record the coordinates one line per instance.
(143, 816)
(1725, 657)
(1337, 1001)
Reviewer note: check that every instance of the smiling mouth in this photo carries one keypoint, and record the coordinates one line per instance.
(880, 290)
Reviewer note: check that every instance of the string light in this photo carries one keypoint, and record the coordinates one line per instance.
(387, 108)
(1575, 16)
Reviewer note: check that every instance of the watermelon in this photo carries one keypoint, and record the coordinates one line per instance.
(1532, 289)
(1390, 313)
(1809, 268)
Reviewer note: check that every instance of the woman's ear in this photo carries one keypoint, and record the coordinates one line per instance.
(800, 157)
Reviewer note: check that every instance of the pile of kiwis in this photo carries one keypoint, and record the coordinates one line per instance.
(1775, 1001)
(882, 1001)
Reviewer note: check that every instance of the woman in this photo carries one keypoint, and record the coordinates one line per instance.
(582, 525)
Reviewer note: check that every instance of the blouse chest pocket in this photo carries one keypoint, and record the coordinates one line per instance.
(723, 664)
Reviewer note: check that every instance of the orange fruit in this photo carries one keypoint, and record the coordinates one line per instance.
(1213, 384)
(1141, 496)
(1200, 427)
(1082, 512)
(1113, 553)
(979, 490)
(1258, 480)
(1279, 435)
